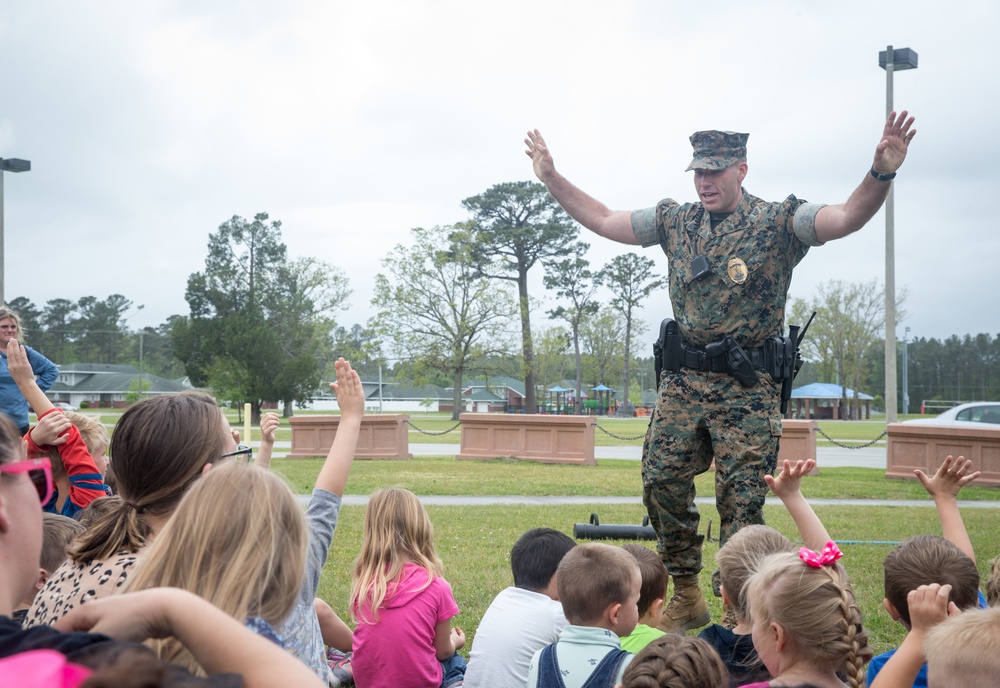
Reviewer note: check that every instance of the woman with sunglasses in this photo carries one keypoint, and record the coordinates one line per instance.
(217, 641)
(12, 402)
(160, 447)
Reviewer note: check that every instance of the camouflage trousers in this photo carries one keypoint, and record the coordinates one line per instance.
(700, 416)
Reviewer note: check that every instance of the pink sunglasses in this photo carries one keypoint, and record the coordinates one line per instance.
(40, 472)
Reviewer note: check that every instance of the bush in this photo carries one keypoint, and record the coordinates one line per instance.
(84, 404)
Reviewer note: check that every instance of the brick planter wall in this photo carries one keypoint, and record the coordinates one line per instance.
(381, 436)
(537, 437)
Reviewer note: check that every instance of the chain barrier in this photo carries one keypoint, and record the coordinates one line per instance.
(852, 446)
(619, 437)
(432, 432)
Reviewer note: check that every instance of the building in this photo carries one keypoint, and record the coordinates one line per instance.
(107, 385)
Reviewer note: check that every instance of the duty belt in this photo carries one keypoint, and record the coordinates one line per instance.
(698, 359)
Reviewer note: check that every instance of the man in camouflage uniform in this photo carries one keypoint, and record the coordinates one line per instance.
(730, 259)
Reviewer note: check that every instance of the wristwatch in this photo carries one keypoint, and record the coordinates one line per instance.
(881, 176)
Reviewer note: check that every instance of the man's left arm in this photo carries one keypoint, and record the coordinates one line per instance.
(837, 221)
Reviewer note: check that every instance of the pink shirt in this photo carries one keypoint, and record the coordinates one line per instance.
(398, 649)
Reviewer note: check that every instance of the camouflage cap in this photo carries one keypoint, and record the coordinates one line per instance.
(717, 150)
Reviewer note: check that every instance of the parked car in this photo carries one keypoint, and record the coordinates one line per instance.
(65, 406)
(974, 413)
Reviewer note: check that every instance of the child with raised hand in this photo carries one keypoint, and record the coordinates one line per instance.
(77, 466)
(301, 631)
(739, 558)
(929, 559)
(269, 423)
(400, 601)
(806, 623)
(676, 661)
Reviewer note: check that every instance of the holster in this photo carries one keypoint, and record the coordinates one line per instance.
(738, 362)
(667, 350)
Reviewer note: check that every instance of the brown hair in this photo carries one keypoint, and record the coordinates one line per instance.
(57, 532)
(95, 511)
(159, 448)
(11, 445)
(653, 573)
(927, 559)
(739, 557)
(676, 661)
(962, 650)
(591, 577)
(818, 611)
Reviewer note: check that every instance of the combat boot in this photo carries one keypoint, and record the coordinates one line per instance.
(687, 608)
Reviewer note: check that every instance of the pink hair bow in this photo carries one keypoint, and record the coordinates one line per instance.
(830, 554)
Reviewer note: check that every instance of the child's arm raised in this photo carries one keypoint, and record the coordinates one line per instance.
(951, 477)
(269, 423)
(351, 399)
(928, 607)
(24, 378)
(787, 487)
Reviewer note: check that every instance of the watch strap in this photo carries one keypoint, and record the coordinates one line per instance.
(881, 176)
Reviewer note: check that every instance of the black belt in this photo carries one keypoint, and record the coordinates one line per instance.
(697, 359)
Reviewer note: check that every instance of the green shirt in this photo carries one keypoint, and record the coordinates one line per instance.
(642, 636)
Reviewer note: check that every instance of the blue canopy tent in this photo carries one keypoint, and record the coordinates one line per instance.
(602, 404)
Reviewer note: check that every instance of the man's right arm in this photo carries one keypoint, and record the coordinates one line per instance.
(588, 211)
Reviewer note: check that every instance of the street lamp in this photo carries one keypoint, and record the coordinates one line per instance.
(8, 165)
(906, 373)
(891, 60)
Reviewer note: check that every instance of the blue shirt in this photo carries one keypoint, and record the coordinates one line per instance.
(12, 402)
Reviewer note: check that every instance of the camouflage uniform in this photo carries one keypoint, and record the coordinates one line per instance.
(702, 415)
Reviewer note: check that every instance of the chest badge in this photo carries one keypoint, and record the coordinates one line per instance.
(737, 270)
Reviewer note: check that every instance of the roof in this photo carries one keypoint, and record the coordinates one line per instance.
(97, 368)
(825, 390)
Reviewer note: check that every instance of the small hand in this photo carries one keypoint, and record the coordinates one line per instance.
(17, 363)
(951, 476)
(350, 393)
(896, 136)
(269, 423)
(929, 606)
(50, 430)
(541, 158)
(789, 480)
(458, 638)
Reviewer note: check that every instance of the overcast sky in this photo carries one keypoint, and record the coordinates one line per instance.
(150, 123)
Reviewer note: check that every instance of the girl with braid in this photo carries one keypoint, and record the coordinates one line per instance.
(806, 623)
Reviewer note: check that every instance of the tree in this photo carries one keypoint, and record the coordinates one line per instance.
(516, 225)
(436, 309)
(551, 355)
(572, 279)
(258, 322)
(604, 347)
(631, 280)
(849, 318)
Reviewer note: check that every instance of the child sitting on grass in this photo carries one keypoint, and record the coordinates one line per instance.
(599, 589)
(502, 650)
(57, 532)
(651, 597)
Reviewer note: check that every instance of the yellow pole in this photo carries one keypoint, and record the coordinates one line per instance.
(246, 424)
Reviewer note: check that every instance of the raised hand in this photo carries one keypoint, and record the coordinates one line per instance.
(348, 388)
(50, 430)
(788, 482)
(269, 423)
(951, 476)
(541, 158)
(896, 136)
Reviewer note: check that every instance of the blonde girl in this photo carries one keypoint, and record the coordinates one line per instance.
(806, 622)
(238, 540)
(401, 603)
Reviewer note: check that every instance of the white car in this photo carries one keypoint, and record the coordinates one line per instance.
(64, 406)
(974, 413)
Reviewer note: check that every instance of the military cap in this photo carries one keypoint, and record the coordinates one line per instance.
(717, 150)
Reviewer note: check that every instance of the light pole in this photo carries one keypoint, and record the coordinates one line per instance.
(891, 60)
(906, 373)
(8, 165)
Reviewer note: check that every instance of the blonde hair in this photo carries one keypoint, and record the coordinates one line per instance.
(397, 531)
(816, 608)
(159, 448)
(8, 314)
(592, 576)
(93, 433)
(962, 650)
(676, 661)
(739, 557)
(238, 539)
(993, 583)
